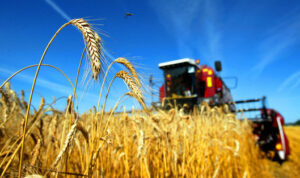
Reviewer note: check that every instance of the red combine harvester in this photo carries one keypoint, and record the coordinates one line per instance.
(188, 83)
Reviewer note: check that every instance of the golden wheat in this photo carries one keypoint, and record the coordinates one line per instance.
(35, 153)
(140, 100)
(130, 67)
(92, 41)
(163, 144)
(130, 83)
(67, 143)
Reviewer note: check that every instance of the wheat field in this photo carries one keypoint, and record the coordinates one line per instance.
(47, 142)
(208, 142)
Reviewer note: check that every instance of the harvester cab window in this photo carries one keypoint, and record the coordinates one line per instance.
(182, 81)
(191, 69)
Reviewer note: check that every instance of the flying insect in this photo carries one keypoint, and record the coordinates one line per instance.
(127, 14)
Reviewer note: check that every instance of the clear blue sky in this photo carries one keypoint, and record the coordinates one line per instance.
(257, 41)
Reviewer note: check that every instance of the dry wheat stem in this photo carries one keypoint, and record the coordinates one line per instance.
(112, 111)
(35, 65)
(77, 76)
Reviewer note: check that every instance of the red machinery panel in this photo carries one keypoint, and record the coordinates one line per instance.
(207, 76)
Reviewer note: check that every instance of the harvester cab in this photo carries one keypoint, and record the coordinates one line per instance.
(186, 83)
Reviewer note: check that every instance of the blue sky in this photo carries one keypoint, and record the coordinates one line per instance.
(257, 41)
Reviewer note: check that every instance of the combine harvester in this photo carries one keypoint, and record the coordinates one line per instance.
(188, 84)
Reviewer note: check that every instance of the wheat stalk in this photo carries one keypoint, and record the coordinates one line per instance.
(92, 41)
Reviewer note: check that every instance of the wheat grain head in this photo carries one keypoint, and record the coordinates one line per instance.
(35, 153)
(92, 41)
(140, 100)
(67, 143)
(130, 83)
(130, 67)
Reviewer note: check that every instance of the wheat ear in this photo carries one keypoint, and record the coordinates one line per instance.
(67, 143)
(140, 100)
(141, 143)
(126, 77)
(92, 41)
(36, 152)
(130, 83)
(130, 67)
(5, 104)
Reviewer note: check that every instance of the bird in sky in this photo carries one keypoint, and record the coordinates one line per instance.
(127, 14)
